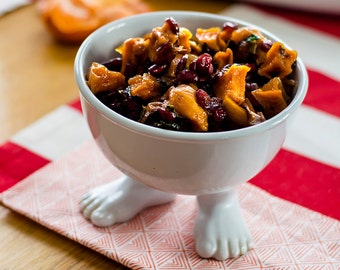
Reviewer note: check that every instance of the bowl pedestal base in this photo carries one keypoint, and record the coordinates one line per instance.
(220, 231)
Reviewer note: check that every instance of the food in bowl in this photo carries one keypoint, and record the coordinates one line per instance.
(158, 163)
(218, 79)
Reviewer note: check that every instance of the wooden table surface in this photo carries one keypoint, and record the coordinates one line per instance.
(36, 76)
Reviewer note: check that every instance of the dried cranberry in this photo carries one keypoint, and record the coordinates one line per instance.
(129, 70)
(206, 85)
(266, 45)
(156, 70)
(186, 76)
(132, 107)
(252, 67)
(182, 63)
(173, 25)
(164, 54)
(215, 102)
(203, 99)
(167, 115)
(230, 26)
(204, 64)
(114, 64)
(218, 113)
(192, 66)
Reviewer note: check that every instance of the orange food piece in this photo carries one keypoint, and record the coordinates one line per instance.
(73, 20)
(183, 99)
(233, 83)
(224, 37)
(209, 36)
(99, 78)
(245, 32)
(184, 37)
(223, 58)
(272, 101)
(273, 84)
(159, 37)
(276, 84)
(152, 107)
(145, 86)
(134, 52)
(173, 65)
(235, 112)
(278, 61)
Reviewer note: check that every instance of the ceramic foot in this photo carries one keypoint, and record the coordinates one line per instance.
(119, 201)
(220, 231)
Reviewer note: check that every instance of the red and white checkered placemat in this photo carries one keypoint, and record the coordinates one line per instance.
(292, 207)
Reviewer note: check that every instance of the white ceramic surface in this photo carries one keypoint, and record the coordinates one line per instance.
(209, 165)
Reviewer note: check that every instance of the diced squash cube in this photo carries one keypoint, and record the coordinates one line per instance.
(233, 83)
(223, 38)
(145, 87)
(183, 99)
(184, 39)
(278, 62)
(99, 78)
(276, 84)
(222, 58)
(273, 84)
(134, 53)
(272, 101)
(235, 112)
(209, 37)
(243, 33)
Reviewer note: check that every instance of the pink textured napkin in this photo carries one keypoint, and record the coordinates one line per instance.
(286, 235)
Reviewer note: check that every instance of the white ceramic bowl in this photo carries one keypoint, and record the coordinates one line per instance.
(173, 161)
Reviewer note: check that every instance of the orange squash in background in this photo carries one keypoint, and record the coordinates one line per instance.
(73, 20)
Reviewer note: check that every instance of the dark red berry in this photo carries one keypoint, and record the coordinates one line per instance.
(164, 54)
(252, 67)
(230, 26)
(204, 65)
(167, 115)
(218, 114)
(156, 70)
(186, 76)
(114, 64)
(192, 65)
(173, 25)
(266, 45)
(215, 102)
(203, 99)
(182, 63)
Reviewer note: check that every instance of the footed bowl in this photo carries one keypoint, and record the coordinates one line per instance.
(172, 161)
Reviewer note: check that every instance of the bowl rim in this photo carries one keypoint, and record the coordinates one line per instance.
(147, 130)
